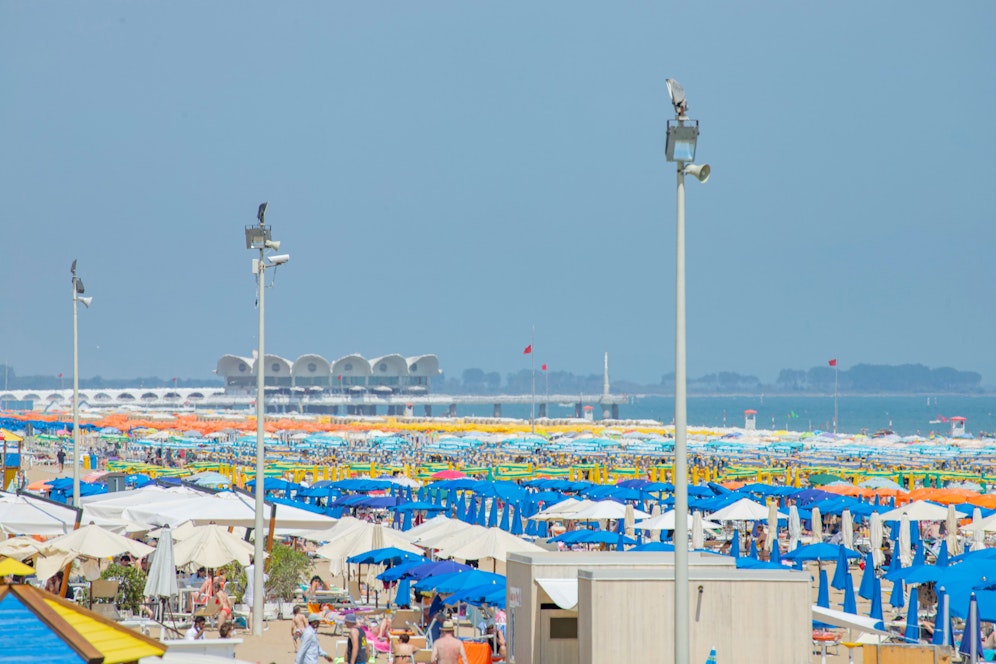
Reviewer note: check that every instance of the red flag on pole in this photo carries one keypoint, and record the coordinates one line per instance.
(528, 350)
(833, 362)
(543, 368)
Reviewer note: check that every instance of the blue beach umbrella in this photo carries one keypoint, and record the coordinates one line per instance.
(403, 596)
(942, 555)
(516, 528)
(482, 514)
(897, 599)
(493, 516)
(407, 525)
(867, 586)
(894, 562)
(823, 596)
(461, 504)
(942, 627)
(653, 546)
(753, 550)
(850, 602)
(505, 524)
(841, 570)
(912, 633)
(735, 546)
(776, 554)
(971, 641)
(876, 601)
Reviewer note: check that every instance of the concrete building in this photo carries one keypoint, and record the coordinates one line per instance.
(351, 374)
(589, 608)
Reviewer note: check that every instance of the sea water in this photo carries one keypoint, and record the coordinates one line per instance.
(905, 415)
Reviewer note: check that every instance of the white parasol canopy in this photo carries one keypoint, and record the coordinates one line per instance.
(744, 509)
(919, 510)
(605, 509)
(795, 527)
(24, 515)
(772, 538)
(96, 542)
(212, 546)
(357, 540)
(698, 532)
(495, 543)
(666, 522)
(817, 523)
(951, 525)
(161, 581)
(875, 538)
(562, 510)
(905, 544)
(847, 529)
(440, 531)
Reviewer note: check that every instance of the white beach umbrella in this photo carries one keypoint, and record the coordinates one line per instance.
(875, 536)
(96, 542)
(951, 525)
(979, 533)
(212, 546)
(453, 536)
(744, 509)
(605, 509)
(495, 544)
(772, 538)
(437, 528)
(27, 515)
(666, 521)
(161, 581)
(698, 530)
(905, 544)
(561, 510)
(628, 521)
(847, 529)
(817, 522)
(795, 528)
(19, 548)
(919, 510)
(655, 511)
(360, 540)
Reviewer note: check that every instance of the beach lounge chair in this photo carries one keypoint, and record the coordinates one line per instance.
(102, 594)
(210, 611)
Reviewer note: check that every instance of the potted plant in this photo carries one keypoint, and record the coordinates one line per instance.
(131, 588)
(286, 567)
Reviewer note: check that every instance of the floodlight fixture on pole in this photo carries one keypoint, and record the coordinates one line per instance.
(258, 237)
(682, 137)
(78, 290)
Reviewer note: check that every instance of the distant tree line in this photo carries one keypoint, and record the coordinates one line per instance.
(861, 378)
(11, 381)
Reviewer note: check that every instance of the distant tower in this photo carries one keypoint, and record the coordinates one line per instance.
(750, 419)
(606, 406)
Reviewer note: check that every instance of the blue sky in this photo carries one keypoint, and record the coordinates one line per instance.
(448, 175)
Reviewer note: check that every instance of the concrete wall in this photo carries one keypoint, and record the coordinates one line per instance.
(747, 615)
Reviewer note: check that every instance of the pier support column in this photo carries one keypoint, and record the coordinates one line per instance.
(542, 410)
(497, 411)
(578, 410)
(428, 410)
(615, 411)
(452, 410)
(606, 412)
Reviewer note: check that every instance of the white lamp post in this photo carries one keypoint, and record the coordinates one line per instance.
(681, 141)
(258, 237)
(78, 291)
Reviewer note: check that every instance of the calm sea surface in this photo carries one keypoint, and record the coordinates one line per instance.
(906, 415)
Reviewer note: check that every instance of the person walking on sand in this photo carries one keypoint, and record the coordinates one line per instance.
(448, 649)
(309, 651)
(299, 624)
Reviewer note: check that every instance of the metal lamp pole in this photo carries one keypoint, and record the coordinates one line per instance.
(258, 237)
(681, 142)
(78, 290)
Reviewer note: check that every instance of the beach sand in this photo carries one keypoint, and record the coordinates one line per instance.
(275, 644)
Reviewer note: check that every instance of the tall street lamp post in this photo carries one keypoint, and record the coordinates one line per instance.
(682, 136)
(78, 291)
(258, 237)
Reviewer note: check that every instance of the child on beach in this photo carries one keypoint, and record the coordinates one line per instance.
(298, 625)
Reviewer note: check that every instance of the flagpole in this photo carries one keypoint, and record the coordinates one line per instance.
(532, 362)
(836, 369)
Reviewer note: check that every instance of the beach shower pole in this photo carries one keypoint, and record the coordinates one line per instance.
(258, 237)
(681, 141)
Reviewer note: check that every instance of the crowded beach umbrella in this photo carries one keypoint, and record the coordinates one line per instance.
(951, 525)
(847, 529)
(161, 581)
(875, 611)
(744, 509)
(454, 581)
(794, 527)
(897, 598)
(490, 594)
(850, 604)
(19, 548)
(875, 538)
(28, 515)
(841, 573)
(11, 567)
(867, 586)
(451, 536)
(391, 555)
(820, 552)
(942, 621)
(563, 510)
(823, 594)
(365, 538)
(772, 538)
(665, 521)
(912, 632)
(448, 474)
(698, 530)
(212, 546)
(433, 568)
(495, 544)
(919, 510)
(816, 523)
(971, 640)
(605, 509)
(905, 545)
(398, 571)
(95, 542)
(430, 526)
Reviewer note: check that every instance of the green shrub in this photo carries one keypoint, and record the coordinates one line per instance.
(287, 568)
(131, 588)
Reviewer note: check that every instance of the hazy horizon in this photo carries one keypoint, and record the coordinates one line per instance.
(449, 177)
